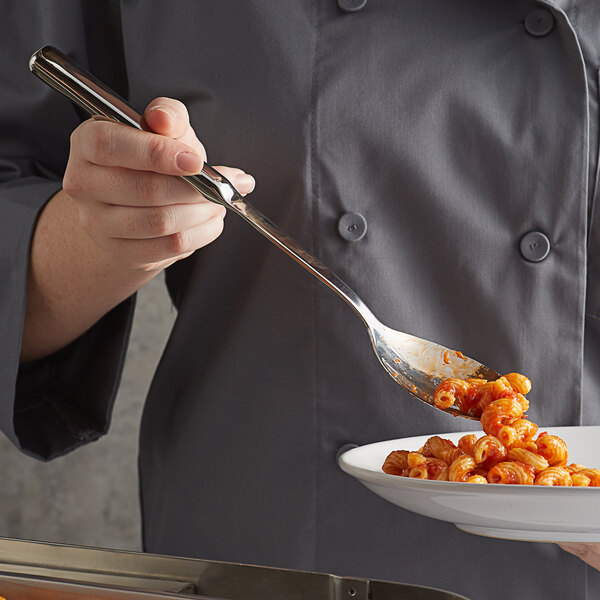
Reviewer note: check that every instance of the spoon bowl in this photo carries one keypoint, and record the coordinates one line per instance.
(420, 366)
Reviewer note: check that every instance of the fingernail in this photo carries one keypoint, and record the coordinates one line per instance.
(164, 110)
(245, 181)
(188, 161)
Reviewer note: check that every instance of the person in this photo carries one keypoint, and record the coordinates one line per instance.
(440, 157)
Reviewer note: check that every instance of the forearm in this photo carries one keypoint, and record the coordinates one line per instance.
(72, 282)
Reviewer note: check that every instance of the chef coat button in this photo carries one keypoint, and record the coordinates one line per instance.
(539, 22)
(352, 227)
(351, 5)
(343, 449)
(534, 246)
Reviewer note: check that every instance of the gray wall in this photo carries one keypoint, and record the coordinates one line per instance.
(90, 496)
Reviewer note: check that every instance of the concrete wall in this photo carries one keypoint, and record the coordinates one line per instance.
(90, 496)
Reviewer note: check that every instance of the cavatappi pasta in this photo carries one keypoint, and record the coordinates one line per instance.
(511, 451)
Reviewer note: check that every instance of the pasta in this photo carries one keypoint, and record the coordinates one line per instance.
(511, 472)
(462, 468)
(508, 453)
(592, 474)
(488, 451)
(552, 448)
(396, 463)
(554, 476)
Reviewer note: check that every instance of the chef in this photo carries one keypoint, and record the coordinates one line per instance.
(440, 156)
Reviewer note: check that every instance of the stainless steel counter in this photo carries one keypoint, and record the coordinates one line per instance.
(40, 571)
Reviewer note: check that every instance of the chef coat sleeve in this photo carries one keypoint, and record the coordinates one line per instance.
(55, 404)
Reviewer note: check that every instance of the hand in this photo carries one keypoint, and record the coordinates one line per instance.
(120, 219)
(589, 553)
(127, 200)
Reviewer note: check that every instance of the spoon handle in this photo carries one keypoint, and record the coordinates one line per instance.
(304, 258)
(93, 96)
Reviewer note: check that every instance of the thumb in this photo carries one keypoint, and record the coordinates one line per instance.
(167, 117)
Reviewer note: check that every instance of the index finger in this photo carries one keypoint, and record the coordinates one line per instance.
(112, 144)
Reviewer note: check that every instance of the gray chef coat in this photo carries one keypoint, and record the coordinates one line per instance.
(453, 127)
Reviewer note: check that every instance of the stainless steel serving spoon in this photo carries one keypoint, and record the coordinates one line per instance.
(416, 364)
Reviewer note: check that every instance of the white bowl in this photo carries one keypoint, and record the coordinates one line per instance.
(518, 512)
